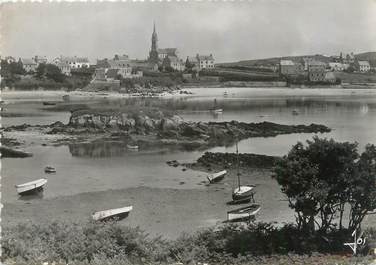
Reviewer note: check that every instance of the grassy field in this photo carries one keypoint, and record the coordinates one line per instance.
(356, 77)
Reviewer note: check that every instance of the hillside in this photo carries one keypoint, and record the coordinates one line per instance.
(369, 56)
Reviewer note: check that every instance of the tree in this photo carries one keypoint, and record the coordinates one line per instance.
(49, 71)
(320, 179)
(40, 71)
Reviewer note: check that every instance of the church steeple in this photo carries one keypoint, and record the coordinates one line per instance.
(153, 55)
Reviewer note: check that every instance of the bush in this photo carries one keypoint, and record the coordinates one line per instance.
(112, 243)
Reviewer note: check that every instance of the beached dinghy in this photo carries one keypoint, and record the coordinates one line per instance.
(119, 213)
(49, 169)
(216, 176)
(243, 214)
(31, 187)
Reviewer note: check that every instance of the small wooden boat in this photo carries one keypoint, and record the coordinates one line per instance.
(49, 169)
(295, 112)
(244, 192)
(217, 110)
(132, 147)
(118, 214)
(243, 214)
(225, 93)
(31, 187)
(216, 176)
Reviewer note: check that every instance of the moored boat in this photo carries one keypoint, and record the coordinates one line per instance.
(118, 214)
(49, 169)
(244, 213)
(217, 110)
(48, 103)
(242, 193)
(132, 147)
(217, 176)
(31, 187)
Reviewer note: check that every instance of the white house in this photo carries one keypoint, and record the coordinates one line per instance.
(205, 61)
(338, 67)
(363, 66)
(74, 62)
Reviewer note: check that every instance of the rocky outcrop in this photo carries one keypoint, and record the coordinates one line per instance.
(174, 127)
(230, 160)
(8, 152)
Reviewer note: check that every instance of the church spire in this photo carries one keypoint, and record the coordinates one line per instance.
(153, 55)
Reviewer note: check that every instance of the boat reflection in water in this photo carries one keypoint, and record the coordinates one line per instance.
(99, 149)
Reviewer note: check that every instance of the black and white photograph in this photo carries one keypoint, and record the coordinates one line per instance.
(188, 132)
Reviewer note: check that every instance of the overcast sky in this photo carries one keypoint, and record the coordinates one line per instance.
(231, 31)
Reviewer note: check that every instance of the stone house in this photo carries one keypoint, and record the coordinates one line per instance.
(74, 62)
(205, 61)
(40, 59)
(64, 68)
(338, 67)
(173, 62)
(362, 66)
(29, 65)
(164, 52)
(290, 68)
(316, 71)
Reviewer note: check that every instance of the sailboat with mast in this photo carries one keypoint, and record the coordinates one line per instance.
(242, 193)
(216, 109)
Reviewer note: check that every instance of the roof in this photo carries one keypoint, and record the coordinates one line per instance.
(330, 75)
(62, 64)
(28, 61)
(75, 59)
(119, 63)
(168, 51)
(316, 63)
(174, 59)
(103, 63)
(121, 57)
(286, 62)
(192, 59)
(205, 57)
(363, 63)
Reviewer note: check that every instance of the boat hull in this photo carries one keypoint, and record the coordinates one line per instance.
(112, 214)
(243, 214)
(31, 187)
(243, 193)
(213, 178)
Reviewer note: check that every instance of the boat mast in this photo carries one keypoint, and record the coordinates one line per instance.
(237, 160)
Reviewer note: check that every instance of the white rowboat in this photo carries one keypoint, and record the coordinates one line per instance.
(132, 147)
(32, 186)
(244, 213)
(119, 213)
(49, 169)
(216, 176)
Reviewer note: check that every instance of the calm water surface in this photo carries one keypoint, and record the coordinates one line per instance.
(350, 113)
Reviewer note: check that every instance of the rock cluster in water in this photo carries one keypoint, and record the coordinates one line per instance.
(230, 160)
